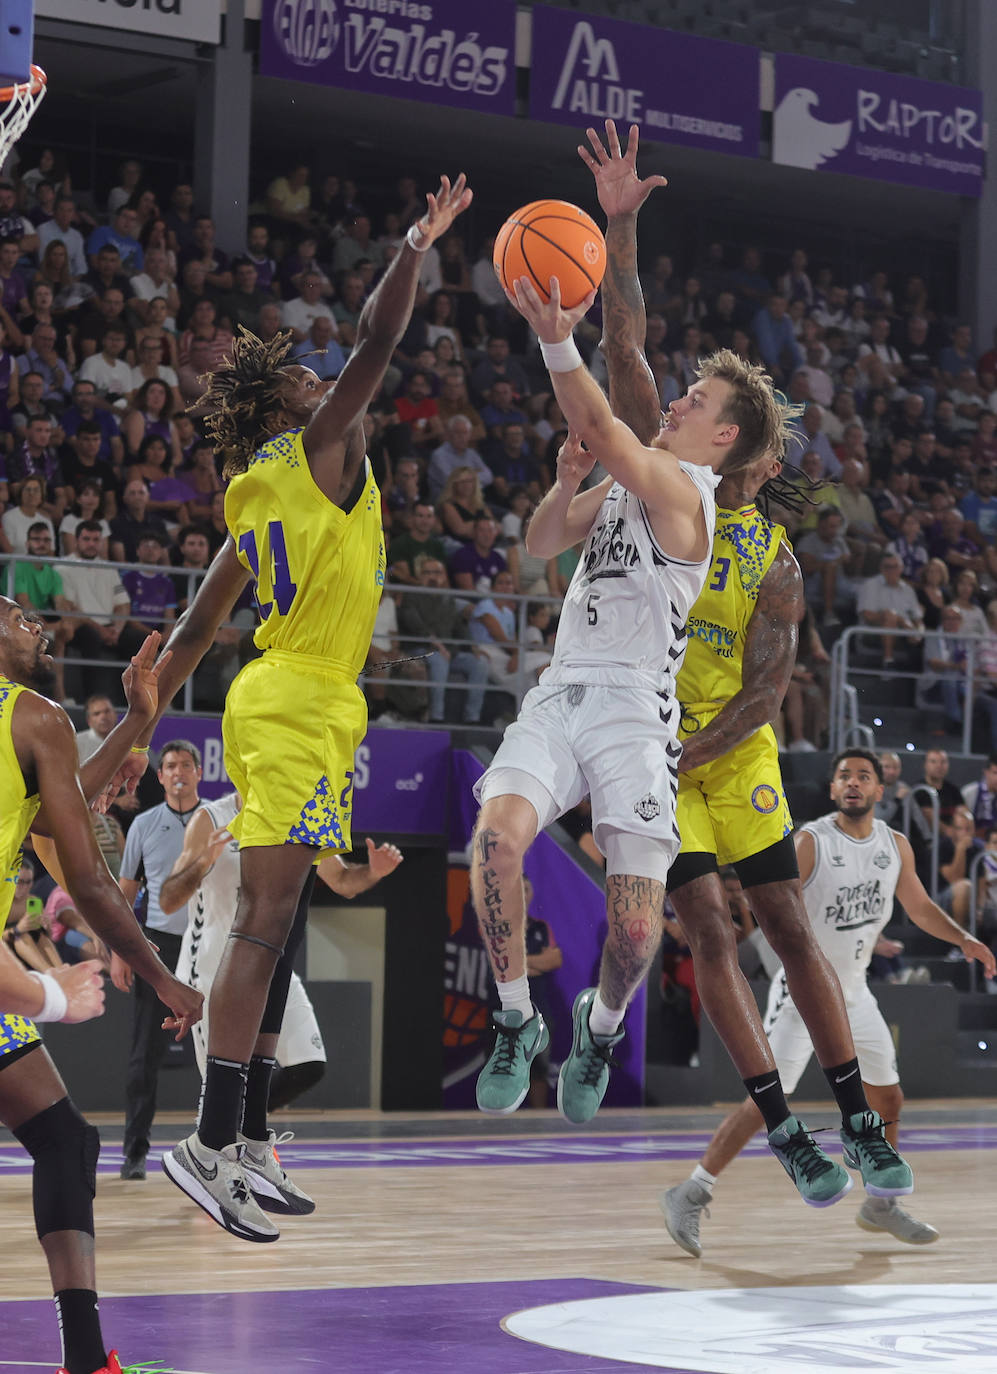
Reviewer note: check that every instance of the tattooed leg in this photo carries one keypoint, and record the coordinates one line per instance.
(506, 828)
(635, 911)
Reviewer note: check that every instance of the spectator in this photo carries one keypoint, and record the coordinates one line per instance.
(812, 439)
(87, 506)
(427, 622)
(14, 225)
(933, 592)
(289, 198)
(910, 547)
(513, 464)
(131, 175)
(954, 547)
(493, 629)
(133, 522)
(204, 250)
(865, 538)
(499, 366)
(773, 332)
(529, 573)
(85, 407)
(420, 541)
(958, 355)
(180, 216)
(151, 368)
(935, 779)
(890, 806)
(455, 452)
(980, 798)
(31, 405)
(298, 315)
(890, 603)
(38, 587)
(404, 494)
(441, 322)
(108, 371)
(193, 554)
(829, 568)
(36, 457)
(13, 291)
(201, 476)
(500, 411)
(417, 409)
(155, 282)
(461, 502)
(61, 228)
(356, 245)
(152, 594)
(454, 400)
(258, 253)
(943, 679)
(979, 508)
(320, 351)
(18, 520)
(121, 234)
(203, 347)
(477, 564)
(964, 597)
(155, 331)
(98, 605)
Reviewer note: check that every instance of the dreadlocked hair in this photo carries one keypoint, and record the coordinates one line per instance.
(761, 414)
(244, 396)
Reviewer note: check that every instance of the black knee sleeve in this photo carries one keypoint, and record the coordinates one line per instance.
(273, 1014)
(289, 1083)
(64, 1147)
(777, 864)
(689, 866)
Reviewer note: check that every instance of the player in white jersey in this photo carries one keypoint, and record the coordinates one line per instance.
(205, 877)
(604, 720)
(852, 866)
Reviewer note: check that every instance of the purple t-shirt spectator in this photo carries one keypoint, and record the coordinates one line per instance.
(20, 465)
(14, 291)
(482, 567)
(152, 595)
(72, 419)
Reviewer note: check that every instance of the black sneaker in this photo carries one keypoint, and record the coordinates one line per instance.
(133, 1167)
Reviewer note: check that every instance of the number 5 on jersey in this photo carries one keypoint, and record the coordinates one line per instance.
(277, 573)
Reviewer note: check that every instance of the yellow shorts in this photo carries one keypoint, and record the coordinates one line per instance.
(290, 731)
(16, 1033)
(735, 806)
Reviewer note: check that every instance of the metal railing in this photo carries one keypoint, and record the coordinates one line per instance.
(846, 676)
(517, 683)
(908, 814)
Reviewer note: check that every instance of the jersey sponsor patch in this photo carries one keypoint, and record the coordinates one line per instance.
(765, 799)
(882, 859)
(648, 808)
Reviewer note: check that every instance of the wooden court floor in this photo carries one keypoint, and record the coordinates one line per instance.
(458, 1214)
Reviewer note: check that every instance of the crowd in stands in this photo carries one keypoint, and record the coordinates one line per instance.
(113, 307)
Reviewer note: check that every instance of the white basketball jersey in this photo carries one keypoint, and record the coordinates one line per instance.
(849, 895)
(623, 619)
(215, 901)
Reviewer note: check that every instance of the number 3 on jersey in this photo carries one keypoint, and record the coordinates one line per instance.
(275, 551)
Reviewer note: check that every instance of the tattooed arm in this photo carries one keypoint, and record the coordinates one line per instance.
(633, 394)
(769, 656)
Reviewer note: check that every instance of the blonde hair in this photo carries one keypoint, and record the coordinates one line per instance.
(476, 502)
(934, 563)
(753, 405)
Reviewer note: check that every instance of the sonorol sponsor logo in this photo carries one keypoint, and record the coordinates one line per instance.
(393, 42)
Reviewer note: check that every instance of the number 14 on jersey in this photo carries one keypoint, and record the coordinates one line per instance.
(275, 563)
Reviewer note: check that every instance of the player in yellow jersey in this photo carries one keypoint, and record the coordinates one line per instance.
(742, 636)
(304, 519)
(41, 790)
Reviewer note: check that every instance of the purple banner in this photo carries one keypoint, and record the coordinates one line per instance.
(448, 52)
(399, 787)
(680, 89)
(575, 909)
(833, 118)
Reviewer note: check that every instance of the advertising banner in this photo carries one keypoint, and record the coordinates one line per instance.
(197, 21)
(574, 907)
(699, 92)
(830, 117)
(448, 52)
(399, 787)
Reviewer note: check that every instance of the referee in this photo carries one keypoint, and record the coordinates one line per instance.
(153, 846)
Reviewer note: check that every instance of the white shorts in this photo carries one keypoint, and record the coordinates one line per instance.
(616, 745)
(200, 954)
(792, 1047)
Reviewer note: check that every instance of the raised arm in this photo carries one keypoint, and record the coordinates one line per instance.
(565, 515)
(141, 683)
(382, 323)
(46, 750)
(350, 880)
(769, 656)
(633, 395)
(202, 844)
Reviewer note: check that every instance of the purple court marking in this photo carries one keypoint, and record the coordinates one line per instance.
(561, 1149)
(428, 1329)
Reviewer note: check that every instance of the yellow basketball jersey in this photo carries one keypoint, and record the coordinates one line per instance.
(18, 810)
(319, 570)
(744, 545)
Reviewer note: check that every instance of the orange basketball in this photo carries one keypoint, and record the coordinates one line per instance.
(551, 238)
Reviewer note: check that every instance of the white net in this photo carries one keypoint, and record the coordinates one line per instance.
(17, 104)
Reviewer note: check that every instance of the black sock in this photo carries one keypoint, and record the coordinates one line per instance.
(254, 1120)
(846, 1084)
(221, 1102)
(79, 1322)
(766, 1093)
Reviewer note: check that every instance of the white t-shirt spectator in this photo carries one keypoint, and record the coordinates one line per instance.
(165, 374)
(16, 525)
(875, 594)
(298, 314)
(95, 592)
(113, 379)
(145, 289)
(69, 523)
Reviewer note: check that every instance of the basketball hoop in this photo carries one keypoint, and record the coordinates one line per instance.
(17, 104)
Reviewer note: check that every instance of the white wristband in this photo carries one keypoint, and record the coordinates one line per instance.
(415, 237)
(56, 1003)
(561, 357)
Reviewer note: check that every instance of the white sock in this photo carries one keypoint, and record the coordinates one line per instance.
(705, 1180)
(604, 1020)
(515, 996)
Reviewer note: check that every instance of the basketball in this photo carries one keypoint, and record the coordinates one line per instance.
(551, 238)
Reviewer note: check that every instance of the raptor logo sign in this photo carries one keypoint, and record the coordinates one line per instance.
(594, 68)
(449, 52)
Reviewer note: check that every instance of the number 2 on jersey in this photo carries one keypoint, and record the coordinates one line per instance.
(284, 589)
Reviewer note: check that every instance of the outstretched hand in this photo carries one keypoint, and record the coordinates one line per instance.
(574, 463)
(141, 678)
(443, 208)
(620, 189)
(551, 322)
(382, 859)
